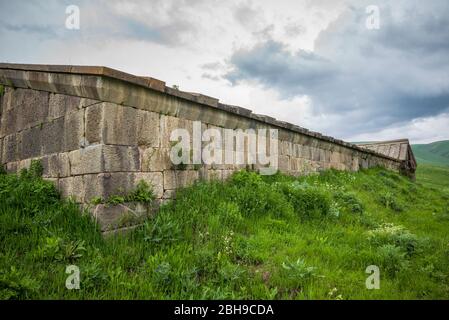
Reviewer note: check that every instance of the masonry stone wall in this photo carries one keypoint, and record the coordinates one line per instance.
(98, 132)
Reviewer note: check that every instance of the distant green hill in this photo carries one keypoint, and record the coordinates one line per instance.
(436, 153)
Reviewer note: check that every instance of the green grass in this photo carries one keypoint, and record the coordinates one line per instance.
(435, 177)
(435, 153)
(253, 237)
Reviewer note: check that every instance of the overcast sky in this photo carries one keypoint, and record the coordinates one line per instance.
(314, 63)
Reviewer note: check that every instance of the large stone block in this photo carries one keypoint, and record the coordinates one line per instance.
(119, 125)
(61, 104)
(39, 81)
(86, 160)
(31, 143)
(56, 165)
(6, 99)
(335, 157)
(284, 164)
(94, 124)
(13, 78)
(179, 178)
(10, 148)
(355, 164)
(69, 84)
(73, 187)
(148, 128)
(155, 159)
(304, 152)
(31, 108)
(120, 158)
(104, 158)
(8, 123)
(74, 131)
(53, 136)
(114, 124)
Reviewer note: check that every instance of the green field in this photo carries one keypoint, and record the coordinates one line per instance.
(433, 176)
(252, 237)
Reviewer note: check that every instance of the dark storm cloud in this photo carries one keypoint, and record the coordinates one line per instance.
(371, 78)
(270, 64)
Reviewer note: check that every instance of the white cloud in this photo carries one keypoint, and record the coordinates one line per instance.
(423, 130)
(190, 43)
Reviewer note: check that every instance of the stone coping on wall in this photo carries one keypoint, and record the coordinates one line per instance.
(160, 86)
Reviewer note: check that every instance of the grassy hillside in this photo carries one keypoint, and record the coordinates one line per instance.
(436, 177)
(436, 153)
(252, 237)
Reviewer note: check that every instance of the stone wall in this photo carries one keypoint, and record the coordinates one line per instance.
(98, 132)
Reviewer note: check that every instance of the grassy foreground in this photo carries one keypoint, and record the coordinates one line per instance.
(252, 237)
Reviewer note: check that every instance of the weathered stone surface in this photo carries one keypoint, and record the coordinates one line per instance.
(120, 158)
(86, 160)
(335, 157)
(8, 123)
(53, 136)
(180, 178)
(31, 108)
(155, 159)
(74, 131)
(114, 124)
(66, 84)
(104, 158)
(119, 125)
(72, 187)
(148, 133)
(284, 163)
(56, 165)
(61, 104)
(10, 148)
(6, 99)
(31, 143)
(94, 124)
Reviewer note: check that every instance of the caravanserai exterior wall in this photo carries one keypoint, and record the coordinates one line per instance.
(98, 131)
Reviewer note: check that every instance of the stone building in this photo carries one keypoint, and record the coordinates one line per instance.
(99, 131)
(399, 149)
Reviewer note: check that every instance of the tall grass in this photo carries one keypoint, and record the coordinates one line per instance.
(252, 237)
